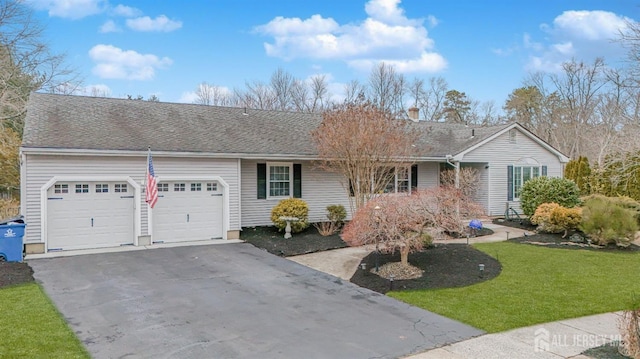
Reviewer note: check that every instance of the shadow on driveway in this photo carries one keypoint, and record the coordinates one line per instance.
(230, 301)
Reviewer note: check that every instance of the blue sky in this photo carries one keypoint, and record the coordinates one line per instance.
(482, 48)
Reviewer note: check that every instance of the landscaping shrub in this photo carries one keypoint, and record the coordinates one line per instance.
(554, 218)
(622, 201)
(541, 190)
(336, 215)
(291, 207)
(9, 207)
(401, 221)
(604, 221)
(542, 217)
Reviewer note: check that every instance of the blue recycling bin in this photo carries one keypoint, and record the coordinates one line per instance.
(11, 241)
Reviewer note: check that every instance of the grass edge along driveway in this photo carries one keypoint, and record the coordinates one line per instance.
(537, 285)
(31, 326)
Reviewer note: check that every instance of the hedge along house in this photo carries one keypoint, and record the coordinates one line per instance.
(219, 169)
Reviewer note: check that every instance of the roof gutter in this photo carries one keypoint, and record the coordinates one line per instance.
(128, 153)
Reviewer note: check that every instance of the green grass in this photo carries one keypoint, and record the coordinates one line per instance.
(537, 285)
(31, 327)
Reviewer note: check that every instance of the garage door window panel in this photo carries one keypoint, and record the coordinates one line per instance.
(179, 187)
(61, 188)
(82, 188)
(163, 187)
(102, 188)
(120, 188)
(212, 187)
(196, 187)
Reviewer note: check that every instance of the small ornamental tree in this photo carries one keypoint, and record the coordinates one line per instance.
(544, 189)
(362, 142)
(403, 222)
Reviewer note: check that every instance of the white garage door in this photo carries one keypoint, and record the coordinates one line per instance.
(188, 211)
(89, 215)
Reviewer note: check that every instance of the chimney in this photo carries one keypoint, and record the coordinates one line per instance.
(414, 113)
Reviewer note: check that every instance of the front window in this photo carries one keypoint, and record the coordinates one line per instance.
(522, 174)
(279, 179)
(398, 179)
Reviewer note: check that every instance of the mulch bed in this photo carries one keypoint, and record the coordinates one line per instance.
(444, 265)
(308, 241)
(555, 240)
(12, 273)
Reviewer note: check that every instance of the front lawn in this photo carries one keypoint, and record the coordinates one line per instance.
(31, 327)
(537, 285)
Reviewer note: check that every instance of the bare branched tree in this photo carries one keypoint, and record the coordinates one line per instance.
(363, 143)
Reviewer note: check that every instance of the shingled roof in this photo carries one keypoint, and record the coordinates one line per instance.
(96, 123)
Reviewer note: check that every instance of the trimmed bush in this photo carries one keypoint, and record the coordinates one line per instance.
(542, 217)
(604, 222)
(336, 213)
(553, 218)
(541, 190)
(291, 207)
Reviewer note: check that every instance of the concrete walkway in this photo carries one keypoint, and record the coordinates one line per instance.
(562, 339)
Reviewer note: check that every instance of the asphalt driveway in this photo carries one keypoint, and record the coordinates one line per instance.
(230, 301)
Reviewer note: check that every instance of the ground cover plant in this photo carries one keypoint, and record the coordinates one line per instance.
(536, 285)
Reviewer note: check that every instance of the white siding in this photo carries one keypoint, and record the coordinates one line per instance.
(499, 154)
(319, 189)
(482, 194)
(41, 168)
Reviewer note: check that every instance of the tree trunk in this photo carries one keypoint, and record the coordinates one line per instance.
(404, 255)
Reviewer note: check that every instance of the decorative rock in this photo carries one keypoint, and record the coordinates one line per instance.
(576, 238)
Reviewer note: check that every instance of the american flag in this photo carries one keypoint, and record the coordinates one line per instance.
(151, 189)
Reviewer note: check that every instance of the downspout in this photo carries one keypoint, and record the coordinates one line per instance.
(455, 165)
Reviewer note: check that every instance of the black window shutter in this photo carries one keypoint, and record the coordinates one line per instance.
(544, 171)
(262, 180)
(351, 191)
(509, 183)
(297, 180)
(414, 177)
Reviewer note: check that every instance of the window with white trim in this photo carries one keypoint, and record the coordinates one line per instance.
(279, 181)
(179, 187)
(120, 188)
(522, 174)
(399, 179)
(196, 187)
(61, 188)
(102, 188)
(212, 187)
(82, 188)
(163, 187)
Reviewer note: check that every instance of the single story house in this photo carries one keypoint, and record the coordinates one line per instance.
(219, 169)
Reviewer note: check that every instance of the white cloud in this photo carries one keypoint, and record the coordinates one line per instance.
(386, 35)
(428, 61)
(160, 23)
(115, 63)
(70, 9)
(97, 90)
(580, 35)
(188, 97)
(433, 21)
(589, 25)
(109, 26)
(126, 11)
